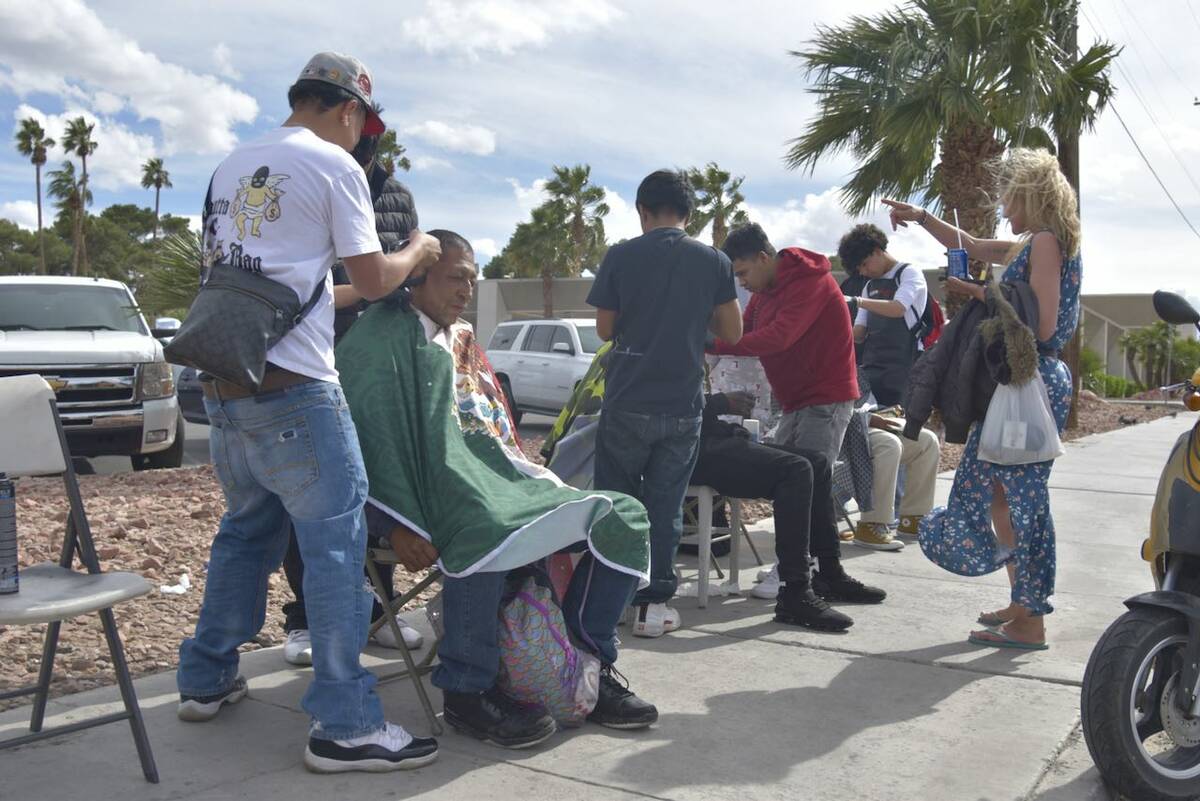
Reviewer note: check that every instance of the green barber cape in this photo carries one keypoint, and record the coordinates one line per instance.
(442, 456)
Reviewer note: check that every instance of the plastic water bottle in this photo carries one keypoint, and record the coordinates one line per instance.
(9, 579)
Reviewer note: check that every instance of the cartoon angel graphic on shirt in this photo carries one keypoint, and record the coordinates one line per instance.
(257, 200)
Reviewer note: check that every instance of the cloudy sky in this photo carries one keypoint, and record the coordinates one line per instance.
(487, 94)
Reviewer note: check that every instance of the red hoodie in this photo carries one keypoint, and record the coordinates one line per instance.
(801, 331)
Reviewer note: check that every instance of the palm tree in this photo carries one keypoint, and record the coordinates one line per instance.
(390, 153)
(576, 207)
(718, 201)
(33, 143)
(78, 140)
(171, 284)
(924, 95)
(153, 175)
(72, 198)
(582, 208)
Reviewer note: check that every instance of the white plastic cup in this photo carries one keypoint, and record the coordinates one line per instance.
(752, 425)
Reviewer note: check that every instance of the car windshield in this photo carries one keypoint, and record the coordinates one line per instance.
(60, 307)
(589, 339)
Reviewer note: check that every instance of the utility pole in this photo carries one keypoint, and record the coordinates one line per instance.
(1068, 162)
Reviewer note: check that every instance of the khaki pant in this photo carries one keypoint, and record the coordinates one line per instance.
(888, 452)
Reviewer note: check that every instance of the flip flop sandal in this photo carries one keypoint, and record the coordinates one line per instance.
(1004, 640)
(992, 620)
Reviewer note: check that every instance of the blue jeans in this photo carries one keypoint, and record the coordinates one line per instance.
(289, 456)
(469, 653)
(651, 457)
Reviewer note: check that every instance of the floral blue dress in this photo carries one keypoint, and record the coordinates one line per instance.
(959, 537)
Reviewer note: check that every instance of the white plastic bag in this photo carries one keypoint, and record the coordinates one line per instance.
(1019, 427)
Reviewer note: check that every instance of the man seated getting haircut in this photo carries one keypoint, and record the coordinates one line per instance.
(449, 484)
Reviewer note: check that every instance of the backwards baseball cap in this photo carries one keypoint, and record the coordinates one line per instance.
(348, 73)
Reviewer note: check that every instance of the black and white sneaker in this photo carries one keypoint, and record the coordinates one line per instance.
(496, 718)
(390, 748)
(199, 708)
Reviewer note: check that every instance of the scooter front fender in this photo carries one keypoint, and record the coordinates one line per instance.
(1184, 603)
(1188, 606)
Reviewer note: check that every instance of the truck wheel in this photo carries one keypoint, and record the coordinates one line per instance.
(164, 460)
(512, 402)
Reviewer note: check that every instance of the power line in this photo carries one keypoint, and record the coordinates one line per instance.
(1153, 172)
(1138, 54)
(1195, 18)
(1140, 97)
(1158, 51)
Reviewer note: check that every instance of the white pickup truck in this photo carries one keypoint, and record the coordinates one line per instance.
(86, 336)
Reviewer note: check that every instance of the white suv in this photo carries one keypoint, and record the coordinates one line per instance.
(539, 362)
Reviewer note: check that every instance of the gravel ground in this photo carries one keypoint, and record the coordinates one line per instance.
(160, 524)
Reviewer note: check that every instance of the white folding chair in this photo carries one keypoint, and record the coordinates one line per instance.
(704, 528)
(32, 443)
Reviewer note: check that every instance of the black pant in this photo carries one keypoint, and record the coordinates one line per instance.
(294, 615)
(798, 482)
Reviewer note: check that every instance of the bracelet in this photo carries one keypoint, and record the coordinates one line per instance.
(924, 216)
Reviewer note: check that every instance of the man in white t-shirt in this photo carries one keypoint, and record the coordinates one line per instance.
(888, 325)
(286, 206)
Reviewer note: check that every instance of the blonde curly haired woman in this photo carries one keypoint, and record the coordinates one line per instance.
(1013, 501)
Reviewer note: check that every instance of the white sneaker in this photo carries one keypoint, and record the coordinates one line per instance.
(298, 648)
(767, 587)
(387, 638)
(671, 618)
(654, 620)
(390, 748)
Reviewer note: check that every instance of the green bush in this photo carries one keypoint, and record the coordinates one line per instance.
(1090, 362)
(1110, 386)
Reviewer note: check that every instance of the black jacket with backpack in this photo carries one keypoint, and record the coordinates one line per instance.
(984, 344)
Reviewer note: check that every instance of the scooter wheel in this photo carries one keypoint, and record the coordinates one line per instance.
(1143, 746)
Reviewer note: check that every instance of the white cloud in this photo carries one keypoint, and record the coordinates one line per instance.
(503, 26)
(529, 197)
(22, 212)
(485, 247)
(63, 47)
(108, 103)
(622, 221)
(818, 221)
(472, 139)
(117, 162)
(223, 60)
(428, 163)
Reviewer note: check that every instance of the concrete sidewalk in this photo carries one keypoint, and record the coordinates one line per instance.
(899, 708)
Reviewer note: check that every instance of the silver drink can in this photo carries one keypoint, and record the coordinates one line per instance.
(9, 580)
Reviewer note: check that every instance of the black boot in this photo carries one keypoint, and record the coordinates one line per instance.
(618, 707)
(798, 605)
(495, 718)
(834, 585)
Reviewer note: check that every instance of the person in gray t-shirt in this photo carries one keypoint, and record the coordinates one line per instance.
(656, 297)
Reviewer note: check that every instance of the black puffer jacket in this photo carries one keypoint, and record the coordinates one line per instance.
(395, 219)
(395, 212)
(954, 375)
